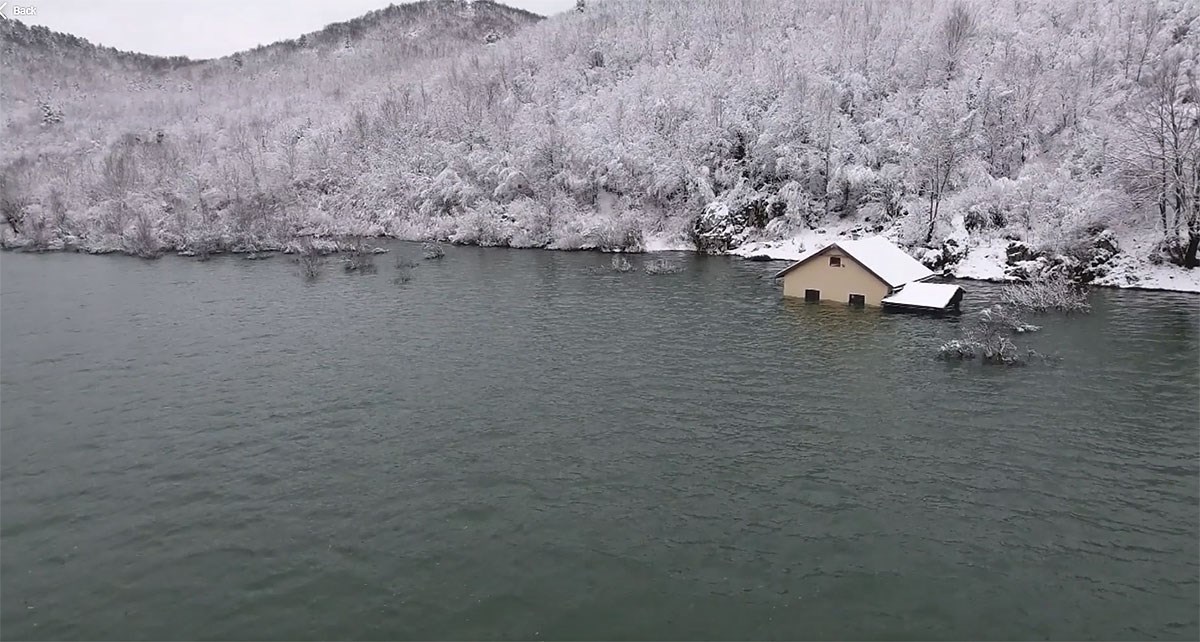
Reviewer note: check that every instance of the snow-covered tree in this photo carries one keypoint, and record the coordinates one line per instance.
(631, 118)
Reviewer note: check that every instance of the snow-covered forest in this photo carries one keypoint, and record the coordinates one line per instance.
(1066, 129)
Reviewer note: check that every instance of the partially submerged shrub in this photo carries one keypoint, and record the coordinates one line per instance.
(359, 258)
(958, 350)
(432, 250)
(987, 339)
(1002, 351)
(205, 246)
(998, 350)
(309, 259)
(1003, 318)
(404, 268)
(621, 264)
(662, 266)
(1051, 292)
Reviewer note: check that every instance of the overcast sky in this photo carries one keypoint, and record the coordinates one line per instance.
(207, 28)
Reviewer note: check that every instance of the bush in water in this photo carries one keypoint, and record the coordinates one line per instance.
(404, 268)
(621, 264)
(432, 250)
(309, 259)
(987, 339)
(662, 266)
(1053, 292)
(359, 257)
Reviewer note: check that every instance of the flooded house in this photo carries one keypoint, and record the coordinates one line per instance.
(867, 272)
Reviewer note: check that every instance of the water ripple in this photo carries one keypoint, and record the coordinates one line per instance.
(513, 444)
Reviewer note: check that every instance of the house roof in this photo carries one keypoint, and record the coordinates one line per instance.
(879, 256)
(924, 295)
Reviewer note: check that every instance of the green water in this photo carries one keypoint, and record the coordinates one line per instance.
(513, 445)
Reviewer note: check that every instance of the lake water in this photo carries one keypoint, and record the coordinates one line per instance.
(515, 445)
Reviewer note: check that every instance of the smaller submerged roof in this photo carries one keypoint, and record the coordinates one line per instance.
(880, 256)
(934, 296)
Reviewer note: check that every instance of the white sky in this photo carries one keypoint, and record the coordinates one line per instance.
(207, 28)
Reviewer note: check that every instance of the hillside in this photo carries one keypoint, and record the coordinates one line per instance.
(1063, 132)
(117, 93)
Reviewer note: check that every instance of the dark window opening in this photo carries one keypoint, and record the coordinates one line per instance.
(812, 296)
(858, 301)
(835, 261)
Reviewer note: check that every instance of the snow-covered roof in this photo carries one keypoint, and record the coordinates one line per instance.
(924, 295)
(880, 256)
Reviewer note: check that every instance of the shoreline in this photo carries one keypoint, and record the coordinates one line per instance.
(987, 260)
(753, 251)
(983, 279)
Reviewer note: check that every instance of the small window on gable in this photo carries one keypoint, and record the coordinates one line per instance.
(835, 261)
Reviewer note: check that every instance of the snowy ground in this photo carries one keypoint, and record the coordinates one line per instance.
(985, 261)
(667, 243)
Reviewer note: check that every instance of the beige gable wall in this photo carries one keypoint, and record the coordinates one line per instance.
(835, 283)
